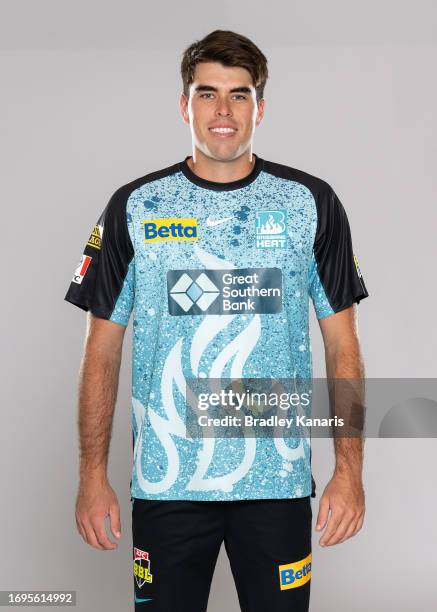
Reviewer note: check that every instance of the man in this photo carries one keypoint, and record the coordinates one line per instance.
(216, 256)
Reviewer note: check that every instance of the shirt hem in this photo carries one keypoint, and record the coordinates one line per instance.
(226, 499)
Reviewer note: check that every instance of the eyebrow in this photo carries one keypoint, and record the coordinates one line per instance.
(241, 89)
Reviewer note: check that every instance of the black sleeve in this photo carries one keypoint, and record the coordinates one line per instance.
(336, 264)
(102, 272)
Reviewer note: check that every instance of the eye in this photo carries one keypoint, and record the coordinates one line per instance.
(207, 96)
(239, 97)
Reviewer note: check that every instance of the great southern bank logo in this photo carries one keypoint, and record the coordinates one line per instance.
(187, 292)
(170, 229)
(243, 290)
(271, 229)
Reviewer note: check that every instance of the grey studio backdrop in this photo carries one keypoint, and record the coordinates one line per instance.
(89, 102)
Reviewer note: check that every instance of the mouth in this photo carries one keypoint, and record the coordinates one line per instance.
(223, 132)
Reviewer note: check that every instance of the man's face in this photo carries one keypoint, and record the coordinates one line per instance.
(222, 110)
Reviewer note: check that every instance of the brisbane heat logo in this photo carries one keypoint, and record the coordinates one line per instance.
(271, 229)
(142, 567)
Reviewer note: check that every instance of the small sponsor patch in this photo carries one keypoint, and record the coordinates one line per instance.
(142, 567)
(357, 267)
(271, 229)
(170, 228)
(95, 240)
(81, 269)
(295, 574)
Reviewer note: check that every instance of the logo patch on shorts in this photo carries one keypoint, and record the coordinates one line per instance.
(142, 567)
(271, 229)
(295, 574)
(170, 228)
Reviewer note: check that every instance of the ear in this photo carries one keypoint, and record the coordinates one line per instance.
(183, 107)
(260, 112)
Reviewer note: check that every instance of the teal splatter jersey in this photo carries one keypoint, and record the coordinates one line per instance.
(217, 278)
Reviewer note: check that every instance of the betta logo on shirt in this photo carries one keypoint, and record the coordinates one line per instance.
(170, 228)
(295, 574)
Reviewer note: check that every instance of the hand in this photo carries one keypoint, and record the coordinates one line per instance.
(95, 501)
(344, 496)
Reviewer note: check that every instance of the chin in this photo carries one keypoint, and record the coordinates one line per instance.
(225, 155)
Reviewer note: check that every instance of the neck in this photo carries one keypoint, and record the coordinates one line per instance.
(221, 171)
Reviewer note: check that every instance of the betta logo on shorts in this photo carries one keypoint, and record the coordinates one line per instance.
(169, 229)
(142, 567)
(295, 574)
(81, 269)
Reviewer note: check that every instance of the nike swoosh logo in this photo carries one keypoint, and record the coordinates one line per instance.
(213, 222)
(138, 600)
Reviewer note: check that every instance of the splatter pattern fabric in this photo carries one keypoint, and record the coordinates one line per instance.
(217, 279)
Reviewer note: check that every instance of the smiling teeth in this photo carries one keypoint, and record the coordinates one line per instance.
(223, 130)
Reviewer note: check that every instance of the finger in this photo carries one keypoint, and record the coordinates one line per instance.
(351, 531)
(359, 523)
(80, 529)
(347, 525)
(355, 526)
(333, 522)
(322, 516)
(114, 520)
(101, 535)
(91, 536)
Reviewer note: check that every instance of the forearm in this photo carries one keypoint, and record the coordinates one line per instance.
(98, 384)
(345, 372)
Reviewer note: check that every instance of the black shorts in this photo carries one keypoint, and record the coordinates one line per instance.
(176, 544)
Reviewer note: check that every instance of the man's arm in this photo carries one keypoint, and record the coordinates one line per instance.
(344, 494)
(98, 384)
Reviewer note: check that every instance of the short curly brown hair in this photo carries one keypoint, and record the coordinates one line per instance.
(229, 49)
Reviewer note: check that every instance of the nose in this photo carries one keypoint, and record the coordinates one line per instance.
(223, 108)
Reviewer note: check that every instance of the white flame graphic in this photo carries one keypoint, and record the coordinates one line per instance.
(239, 349)
(271, 227)
(164, 428)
